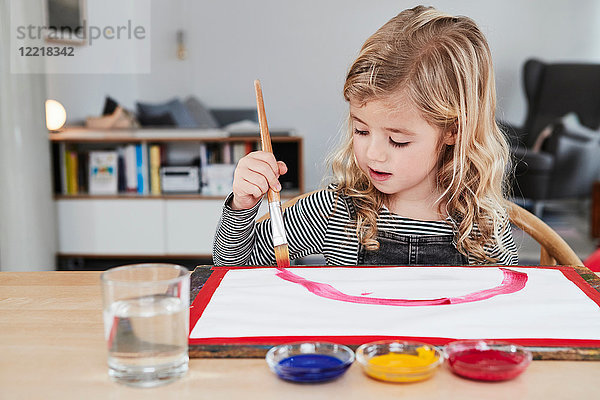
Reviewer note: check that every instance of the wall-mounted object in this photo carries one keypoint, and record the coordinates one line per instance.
(181, 49)
(56, 116)
(65, 21)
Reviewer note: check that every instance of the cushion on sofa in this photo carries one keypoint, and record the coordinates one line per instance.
(180, 114)
(164, 120)
(203, 117)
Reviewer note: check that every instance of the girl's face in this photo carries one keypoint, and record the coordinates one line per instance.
(396, 148)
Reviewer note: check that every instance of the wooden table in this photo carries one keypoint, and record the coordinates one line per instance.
(52, 346)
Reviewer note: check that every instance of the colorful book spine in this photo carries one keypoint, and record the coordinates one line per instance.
(140, 166)
(62, 154)
(249, 147)
(131, 168)
(122, 176)
(239, 151)
(82, 171)
(73, 172)
(155, 169)
(145, 169)
(226, 156)
(68, 172)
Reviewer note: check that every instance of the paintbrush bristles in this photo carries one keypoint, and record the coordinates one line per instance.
(282, 256)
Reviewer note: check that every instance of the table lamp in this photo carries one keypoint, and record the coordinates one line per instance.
(56, 115)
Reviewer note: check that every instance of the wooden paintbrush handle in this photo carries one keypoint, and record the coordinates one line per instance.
(273, 196)
(265, 137)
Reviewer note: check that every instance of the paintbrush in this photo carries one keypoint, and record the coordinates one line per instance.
(282, 253)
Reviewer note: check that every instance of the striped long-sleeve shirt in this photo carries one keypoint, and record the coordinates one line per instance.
(321, 223)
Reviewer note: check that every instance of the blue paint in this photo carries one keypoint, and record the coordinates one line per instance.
(310, 368)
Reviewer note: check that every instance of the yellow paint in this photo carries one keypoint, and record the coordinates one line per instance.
(397, 367)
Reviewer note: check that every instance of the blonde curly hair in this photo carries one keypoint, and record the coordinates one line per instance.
(444, 65)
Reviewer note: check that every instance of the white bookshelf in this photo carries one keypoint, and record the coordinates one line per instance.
(144, 225)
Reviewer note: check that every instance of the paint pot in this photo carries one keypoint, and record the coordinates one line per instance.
(395, 361)
(309, 361)
(487, 360)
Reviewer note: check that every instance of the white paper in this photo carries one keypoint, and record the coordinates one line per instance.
(257, 303)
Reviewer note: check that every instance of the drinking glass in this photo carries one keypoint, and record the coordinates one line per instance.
(146, 323)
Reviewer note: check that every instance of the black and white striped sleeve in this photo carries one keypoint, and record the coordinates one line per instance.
(234, 238)
(242, 241)
(506, 252)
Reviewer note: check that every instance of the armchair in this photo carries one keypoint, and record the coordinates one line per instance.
(565, 160)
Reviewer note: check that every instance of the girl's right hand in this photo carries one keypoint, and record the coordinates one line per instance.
(254, 175)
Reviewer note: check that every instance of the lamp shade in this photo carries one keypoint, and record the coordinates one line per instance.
(56, 116)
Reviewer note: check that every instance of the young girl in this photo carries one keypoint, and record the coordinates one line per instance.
(419, 178)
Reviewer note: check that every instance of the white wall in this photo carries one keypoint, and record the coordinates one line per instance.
(301, 52)
(27, 223)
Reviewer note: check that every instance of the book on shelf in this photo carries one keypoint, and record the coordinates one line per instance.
(130, 168)
(121, 178)
(219, 179)
(72, 173)
(238, 151)
(214, 153)
(141, 151)
(60, 165)
(82, 172)
(155, 169)
(226, 153)
(122, 167)
(249, 147)
(103, 169)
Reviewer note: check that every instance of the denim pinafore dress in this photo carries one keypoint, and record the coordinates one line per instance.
(396, 249)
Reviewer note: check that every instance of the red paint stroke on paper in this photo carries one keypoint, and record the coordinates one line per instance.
(512, 282)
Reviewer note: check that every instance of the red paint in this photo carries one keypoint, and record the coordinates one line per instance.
(488, 364)
(282, 262)
(206, 293)
(513, 282)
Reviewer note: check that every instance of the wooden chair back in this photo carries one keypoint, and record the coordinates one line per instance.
(554, 250)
